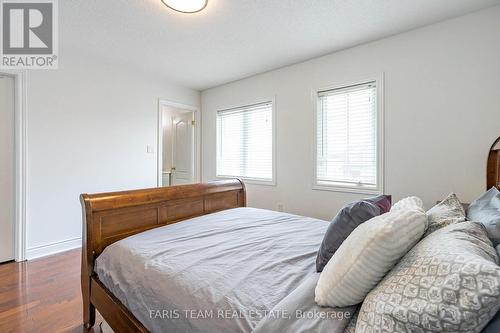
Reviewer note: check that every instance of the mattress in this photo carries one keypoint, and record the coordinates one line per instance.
(238, 270)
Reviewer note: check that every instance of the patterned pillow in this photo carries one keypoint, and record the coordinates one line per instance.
(448, 211)
(369, 252)
(494, 324)
(449, 281)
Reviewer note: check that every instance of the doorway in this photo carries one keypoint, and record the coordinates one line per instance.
(177, 144)
(7, 168)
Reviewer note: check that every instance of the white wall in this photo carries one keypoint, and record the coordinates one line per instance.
(89, 124)
(442, 113)
(7, 168)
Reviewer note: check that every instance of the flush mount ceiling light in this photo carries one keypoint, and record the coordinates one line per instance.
(186, 6)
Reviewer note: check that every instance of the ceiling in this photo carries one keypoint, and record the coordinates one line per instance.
(233, 39)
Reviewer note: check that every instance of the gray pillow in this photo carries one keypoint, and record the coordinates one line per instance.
(486, 209)
(448, 211)
(494, 324)
(449, 281)
(347, 219)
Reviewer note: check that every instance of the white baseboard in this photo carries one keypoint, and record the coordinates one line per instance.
(52, 248)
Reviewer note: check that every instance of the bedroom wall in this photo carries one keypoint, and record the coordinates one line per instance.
(89, 124)
(442, 113)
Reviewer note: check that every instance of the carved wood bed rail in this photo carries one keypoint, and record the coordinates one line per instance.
(109, 217)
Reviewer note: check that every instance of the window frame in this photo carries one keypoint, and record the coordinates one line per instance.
(349, 188)
(250, 180)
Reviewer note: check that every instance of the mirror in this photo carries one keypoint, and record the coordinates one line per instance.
(493, 168)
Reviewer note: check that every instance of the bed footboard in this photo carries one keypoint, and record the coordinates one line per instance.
(109, 217)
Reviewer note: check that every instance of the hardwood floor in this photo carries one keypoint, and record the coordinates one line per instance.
(42, 295)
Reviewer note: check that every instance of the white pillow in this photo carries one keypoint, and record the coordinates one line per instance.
(369, 252)
(409, 203)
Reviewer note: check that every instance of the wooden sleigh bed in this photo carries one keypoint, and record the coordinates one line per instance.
(110, 217)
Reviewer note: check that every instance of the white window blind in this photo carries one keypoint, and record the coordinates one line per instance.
(347, 137)
(245, 142)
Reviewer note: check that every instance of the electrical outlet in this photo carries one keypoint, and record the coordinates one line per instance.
(281, 207)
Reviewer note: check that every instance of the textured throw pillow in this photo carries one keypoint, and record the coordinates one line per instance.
(486, 209)
(494, 324)
(383, 202)
(409, 203)
(347, 219)
(448, 211)
(369, 252)
(449, 282)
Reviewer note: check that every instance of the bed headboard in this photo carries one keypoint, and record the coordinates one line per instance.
(109, 217)
(493, 166)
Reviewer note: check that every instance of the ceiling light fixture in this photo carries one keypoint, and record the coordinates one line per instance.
(186, 6)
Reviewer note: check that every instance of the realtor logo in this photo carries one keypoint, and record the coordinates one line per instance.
(29, 36)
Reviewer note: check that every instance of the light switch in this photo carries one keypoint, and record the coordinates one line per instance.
(150, 149)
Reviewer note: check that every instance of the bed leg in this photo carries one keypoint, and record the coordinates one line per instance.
(89, 316)
(87, 263)
(88, 308)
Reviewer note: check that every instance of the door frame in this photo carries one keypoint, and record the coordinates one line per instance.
(197, 138)
(20, 143)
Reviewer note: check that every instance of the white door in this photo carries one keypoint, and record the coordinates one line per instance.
(183, 149)
(7, 163)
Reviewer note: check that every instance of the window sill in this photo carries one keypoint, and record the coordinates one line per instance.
(347, 189)
(250, 180)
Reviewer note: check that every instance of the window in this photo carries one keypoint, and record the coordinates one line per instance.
(245, 142)
(347, 152)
